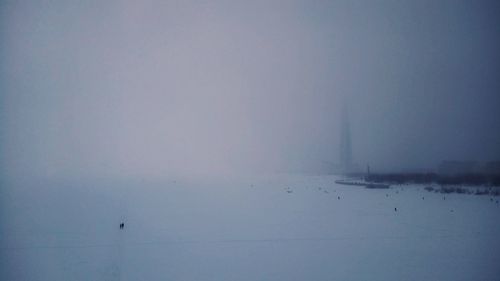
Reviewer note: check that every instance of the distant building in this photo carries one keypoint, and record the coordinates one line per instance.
(458, 167)
(492, 168)
(345, 140)
(346, 163)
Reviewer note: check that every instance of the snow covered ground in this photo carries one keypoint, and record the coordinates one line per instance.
(283, 227)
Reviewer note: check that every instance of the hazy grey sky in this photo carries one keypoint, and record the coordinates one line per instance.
(153, 88)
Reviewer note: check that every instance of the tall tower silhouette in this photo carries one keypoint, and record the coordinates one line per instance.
(345, 140)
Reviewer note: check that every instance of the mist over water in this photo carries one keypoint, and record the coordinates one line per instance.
(197, 140)
(127, 89)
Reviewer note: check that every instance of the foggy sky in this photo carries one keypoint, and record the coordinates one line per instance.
(155, 88)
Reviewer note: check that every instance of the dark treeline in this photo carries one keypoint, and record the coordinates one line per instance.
(424, 178)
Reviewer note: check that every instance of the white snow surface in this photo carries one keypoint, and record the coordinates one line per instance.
(280, 227)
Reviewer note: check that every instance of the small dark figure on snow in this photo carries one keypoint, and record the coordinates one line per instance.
(395, 209)
(122, 225)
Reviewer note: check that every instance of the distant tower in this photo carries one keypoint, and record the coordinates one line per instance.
(345, 141)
